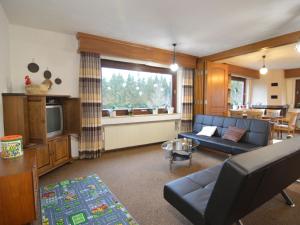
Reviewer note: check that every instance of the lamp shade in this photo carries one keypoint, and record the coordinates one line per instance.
(174, 67)
(298, 46)
(263, 71)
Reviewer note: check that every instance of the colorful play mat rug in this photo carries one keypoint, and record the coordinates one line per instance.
(83, 200)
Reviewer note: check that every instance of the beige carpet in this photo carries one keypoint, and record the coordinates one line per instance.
(137, 175)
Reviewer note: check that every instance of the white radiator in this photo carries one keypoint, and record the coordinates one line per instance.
(134, 134)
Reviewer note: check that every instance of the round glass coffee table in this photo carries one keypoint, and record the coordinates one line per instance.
(179, 150)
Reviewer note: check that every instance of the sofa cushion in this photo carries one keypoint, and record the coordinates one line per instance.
(207, 131)
(234, 134)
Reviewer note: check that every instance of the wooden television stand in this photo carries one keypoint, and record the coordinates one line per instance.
(26, 115)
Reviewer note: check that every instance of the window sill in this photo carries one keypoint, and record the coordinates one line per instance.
(139, 118)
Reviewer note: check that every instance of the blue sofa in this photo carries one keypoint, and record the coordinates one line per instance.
(257, 133)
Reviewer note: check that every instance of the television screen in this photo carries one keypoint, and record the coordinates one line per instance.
(54, 120)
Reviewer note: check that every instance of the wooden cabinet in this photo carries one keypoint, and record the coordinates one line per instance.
(27, 116)
(55, 153)
(216, 89)
(18, 189)
(59, 148)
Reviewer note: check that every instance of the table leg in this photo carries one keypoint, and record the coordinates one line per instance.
(170, 163)
(190, 163)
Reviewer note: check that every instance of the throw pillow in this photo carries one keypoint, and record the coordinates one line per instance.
(234, 134)
(208, 131)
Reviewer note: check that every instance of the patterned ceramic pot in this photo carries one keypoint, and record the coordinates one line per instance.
(11, 146)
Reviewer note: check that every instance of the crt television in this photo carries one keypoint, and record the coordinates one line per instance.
(54, 120)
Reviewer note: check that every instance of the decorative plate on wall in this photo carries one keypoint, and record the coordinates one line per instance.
(33, 67)
(47, 74)
(58, 81)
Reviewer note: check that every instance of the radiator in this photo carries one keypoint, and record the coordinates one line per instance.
(127, 135)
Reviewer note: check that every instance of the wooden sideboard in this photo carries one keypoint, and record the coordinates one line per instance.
(18, 189)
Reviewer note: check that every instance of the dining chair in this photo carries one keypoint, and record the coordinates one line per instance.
(273, 113)
(254, 114)
(287, 124)
(236, 113)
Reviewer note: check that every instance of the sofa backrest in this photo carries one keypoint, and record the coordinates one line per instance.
(257, 131)
(248, 180)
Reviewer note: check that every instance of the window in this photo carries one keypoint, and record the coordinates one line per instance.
(127, 85)
(238, 91)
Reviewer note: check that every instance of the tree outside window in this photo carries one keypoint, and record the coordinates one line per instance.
(238, 89)
(135, 89)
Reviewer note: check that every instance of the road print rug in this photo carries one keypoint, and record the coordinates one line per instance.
(83, 200)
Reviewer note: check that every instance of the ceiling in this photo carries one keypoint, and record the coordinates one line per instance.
(200, 27)
(284, 57)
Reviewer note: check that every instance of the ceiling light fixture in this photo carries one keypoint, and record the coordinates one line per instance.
(298, 46)
(174, 66)
(263, 70)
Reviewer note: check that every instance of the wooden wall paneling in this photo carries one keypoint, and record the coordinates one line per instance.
(37, 119)
(199, 88)
(216, 89)
(291, 73)
(117, 48)
(243, 71)
(285, 39)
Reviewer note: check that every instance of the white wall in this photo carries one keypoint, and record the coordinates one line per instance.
(262, 89)
(52, 50)
(4, 60)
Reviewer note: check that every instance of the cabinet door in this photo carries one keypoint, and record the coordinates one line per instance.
(37, 119)
(15, 116)
(60, 148)
(216, 89)
(43, 154)
(72, 116)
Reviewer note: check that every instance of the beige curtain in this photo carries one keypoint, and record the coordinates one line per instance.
(90, 145)
(187, 100)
